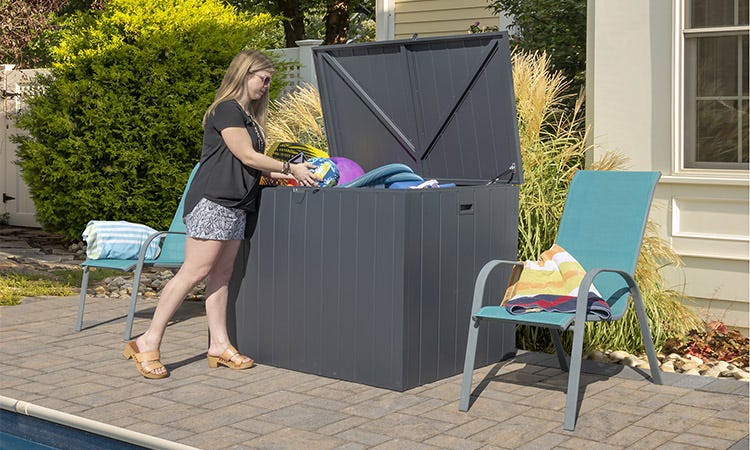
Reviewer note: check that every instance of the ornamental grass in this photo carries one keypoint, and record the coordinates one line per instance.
(297, 117)
(553, 147)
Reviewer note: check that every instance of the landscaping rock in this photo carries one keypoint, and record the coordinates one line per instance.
(667, 367)
(618, 355)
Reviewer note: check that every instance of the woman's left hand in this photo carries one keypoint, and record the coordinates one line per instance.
(303, 175)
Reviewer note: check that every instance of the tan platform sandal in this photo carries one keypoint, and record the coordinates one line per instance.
(226, 360)
(152, 359)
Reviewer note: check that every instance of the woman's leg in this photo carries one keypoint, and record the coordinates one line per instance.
(200, 256)
(217, 289)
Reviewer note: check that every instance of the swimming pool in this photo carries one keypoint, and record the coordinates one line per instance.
(26, 426)
(20, 431)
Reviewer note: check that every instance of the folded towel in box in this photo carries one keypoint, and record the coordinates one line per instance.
(106, 239)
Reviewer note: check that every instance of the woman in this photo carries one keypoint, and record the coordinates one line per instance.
(223, 191)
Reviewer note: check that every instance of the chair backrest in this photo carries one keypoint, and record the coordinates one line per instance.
(173, 247)
(603, 223)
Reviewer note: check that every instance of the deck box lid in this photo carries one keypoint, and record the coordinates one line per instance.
(443, 106)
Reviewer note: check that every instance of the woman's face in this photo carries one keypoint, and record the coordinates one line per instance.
(258, 83)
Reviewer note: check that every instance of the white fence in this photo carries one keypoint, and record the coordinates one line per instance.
(16, 205)
(300, 59)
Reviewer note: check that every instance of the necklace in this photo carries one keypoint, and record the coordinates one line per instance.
(258, 134)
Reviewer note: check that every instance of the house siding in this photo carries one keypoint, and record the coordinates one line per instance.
(633, 92)
(440, 17)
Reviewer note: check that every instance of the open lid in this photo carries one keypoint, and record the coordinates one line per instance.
(443, 106)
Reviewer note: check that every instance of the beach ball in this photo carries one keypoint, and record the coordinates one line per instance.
(348, 169)
(326, 170)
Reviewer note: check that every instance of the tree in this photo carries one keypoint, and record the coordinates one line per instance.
(556, 26)
(337, 22)
(294, 23)
(24, 24)
(329, 20)
(292, 12)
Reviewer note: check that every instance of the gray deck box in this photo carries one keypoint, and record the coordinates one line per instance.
(375, 285)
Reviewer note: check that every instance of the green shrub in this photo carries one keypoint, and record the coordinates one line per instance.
(116, 127)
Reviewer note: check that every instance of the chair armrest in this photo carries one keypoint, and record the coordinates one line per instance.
(144, 246)
(588, 280)
(480, 284)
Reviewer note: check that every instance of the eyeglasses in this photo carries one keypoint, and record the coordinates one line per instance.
(266, 80)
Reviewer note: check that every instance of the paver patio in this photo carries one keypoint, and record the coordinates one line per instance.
(521, 404)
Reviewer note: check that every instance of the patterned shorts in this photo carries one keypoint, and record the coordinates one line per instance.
(209, 220)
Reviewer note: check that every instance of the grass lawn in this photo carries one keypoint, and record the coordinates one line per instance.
(15, 285)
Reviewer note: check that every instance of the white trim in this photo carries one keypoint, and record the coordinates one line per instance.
(709, 179)
(676, 221)
(711, 237)
(708, 256)
(715, 31)
(678, 124)
(679, 34)
(385, 11)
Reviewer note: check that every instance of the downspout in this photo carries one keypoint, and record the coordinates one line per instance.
(385, 11)
(589, 87)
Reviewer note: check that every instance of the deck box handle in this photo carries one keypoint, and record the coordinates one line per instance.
(298, 194)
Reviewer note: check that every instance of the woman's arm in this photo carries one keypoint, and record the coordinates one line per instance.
(239, 143)
(278, 176)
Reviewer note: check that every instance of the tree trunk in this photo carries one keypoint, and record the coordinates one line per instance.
(337, 21)
(294, 26)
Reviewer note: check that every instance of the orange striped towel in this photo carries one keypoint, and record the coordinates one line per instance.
(556, 273)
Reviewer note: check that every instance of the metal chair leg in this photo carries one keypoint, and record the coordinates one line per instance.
(574, 376)
(648, 342)
(82, 302)
(133, 300)
(471, 351)
(559, 349)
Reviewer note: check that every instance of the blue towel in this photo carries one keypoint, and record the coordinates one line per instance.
(558, 303)
(384, 176)
(107, 239)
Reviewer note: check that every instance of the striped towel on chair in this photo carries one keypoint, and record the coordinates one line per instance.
(106, 239)
(551, 284)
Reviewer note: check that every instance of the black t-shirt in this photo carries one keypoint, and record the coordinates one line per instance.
(221, 177)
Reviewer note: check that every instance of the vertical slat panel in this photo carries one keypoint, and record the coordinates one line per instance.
(429, 312)
(330, 326)
(350, 256)
(451, 264)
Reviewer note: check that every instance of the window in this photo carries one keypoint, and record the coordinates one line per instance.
(716, 63)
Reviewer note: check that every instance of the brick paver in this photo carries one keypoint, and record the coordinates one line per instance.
(520, 404)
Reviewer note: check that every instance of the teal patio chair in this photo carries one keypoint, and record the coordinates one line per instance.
(171, 256)
(602, 227)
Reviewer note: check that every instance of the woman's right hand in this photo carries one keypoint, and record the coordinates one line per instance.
(303, 175)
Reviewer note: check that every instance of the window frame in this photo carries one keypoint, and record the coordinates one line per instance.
(680, 114)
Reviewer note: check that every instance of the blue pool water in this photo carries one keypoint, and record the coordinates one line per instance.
(22, 432)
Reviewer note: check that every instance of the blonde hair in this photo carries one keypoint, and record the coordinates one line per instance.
(233, 86)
